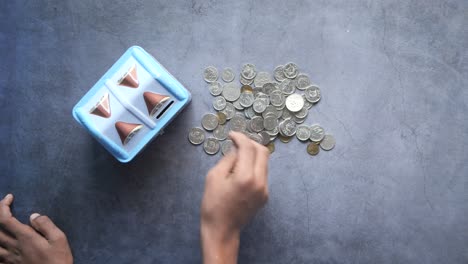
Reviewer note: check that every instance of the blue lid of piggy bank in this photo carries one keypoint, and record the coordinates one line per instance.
(131, 104)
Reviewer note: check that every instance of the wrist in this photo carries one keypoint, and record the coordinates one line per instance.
(219, 244)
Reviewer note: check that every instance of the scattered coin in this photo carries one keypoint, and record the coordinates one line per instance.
(246, 99)
(219, 103)
(288, 86)
(227, 146)
(270, 122)
(221, 132)
(238, 123)
(284, 139)
(261, 79)
(210, 122)
(294, 102)
(288, 128)
(237, 105)
(313, 148)
(248, 71)
(265, 137)
(210, 74)
(290, 70)
(259, 105)
(228, 75)
(196, 136)
(271, 147)
(215, 88)
(316, 133)
(211, 146)
(246, 88)
(312, 94)
(231, 92)
(303, 132)
(302, 81)
(279, 74)
(229, 110)
(328, 142)
(244, 81)
(221, 118)
(256, 124)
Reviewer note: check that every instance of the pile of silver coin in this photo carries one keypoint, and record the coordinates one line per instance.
(263, 107)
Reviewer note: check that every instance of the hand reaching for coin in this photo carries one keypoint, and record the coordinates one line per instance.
(235, 189)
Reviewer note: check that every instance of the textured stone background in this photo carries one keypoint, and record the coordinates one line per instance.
(394, 77)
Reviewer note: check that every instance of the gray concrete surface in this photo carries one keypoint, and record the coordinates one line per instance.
(394, 77)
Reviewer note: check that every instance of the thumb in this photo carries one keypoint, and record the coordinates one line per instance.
(46, 227)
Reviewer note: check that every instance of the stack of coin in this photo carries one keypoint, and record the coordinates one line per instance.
(262, 106)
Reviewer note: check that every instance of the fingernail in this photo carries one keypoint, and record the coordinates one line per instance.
(8, 196)
(34, 216)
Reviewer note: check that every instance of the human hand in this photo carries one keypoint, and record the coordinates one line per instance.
(235, 189)
(43, 243)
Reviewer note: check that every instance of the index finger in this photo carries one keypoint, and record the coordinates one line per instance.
(246, 153)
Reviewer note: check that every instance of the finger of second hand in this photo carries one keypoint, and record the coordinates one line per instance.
(246, 154)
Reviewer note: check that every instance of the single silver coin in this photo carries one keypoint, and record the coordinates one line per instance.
(196, 136)
(249, 126)
(302, 114)
(238, 123)
(219, 103)
(246, 99)
(263, 97)
(244, 81)
(312, 94)
(257, 124)
(261, 79)
(231, 92)
(249, 113)
(288, 86)
(221, 132)
(270, 122)
(303, 132)
(259, 105)
(229, 110)
(316, 133)
(265, 137)
(328, 142)
(286, 114)
(299, 120)
(228, 75)
(279, 74)
(270, 110)
(237, 105)
(211, 146)
(227, 146)
(277, 98)
(288, 128)
(290, 70)
(302, 81)
(307, 104)
(209, 122)
(269, 87)
(273, 132)
(210, 74)
(248, 71)
(294, 102)
(215, 88)
(255, 137)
